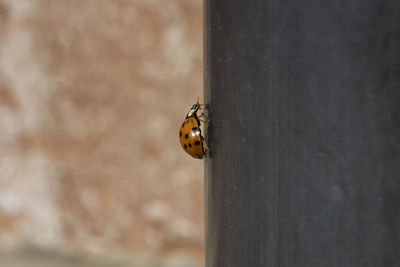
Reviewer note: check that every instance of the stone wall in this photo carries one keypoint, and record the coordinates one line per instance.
(92, 93)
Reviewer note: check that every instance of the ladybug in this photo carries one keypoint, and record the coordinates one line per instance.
(190, 133)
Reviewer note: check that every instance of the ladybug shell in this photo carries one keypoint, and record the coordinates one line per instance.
(190, 138)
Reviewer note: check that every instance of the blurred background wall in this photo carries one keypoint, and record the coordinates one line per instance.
(92, 93)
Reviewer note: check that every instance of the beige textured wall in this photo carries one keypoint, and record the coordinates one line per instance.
(92, 93)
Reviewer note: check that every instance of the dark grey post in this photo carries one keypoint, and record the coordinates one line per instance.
(304, 103)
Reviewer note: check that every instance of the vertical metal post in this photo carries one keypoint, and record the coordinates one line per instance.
(304, 107)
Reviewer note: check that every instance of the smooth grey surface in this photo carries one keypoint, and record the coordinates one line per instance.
(304, 106)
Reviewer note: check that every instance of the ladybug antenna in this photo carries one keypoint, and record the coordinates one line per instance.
(198, 103)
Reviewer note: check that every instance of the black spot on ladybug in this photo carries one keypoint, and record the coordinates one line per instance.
(190, 145)
(183, 124)
(197, 143)
(185, 146)
(180, 133)
(195, 129)
(186, 136)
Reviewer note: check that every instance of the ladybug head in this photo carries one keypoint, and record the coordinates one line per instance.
(194, 109)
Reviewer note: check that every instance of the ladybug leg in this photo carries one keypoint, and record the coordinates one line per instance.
(206, 149)
(203, 116)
